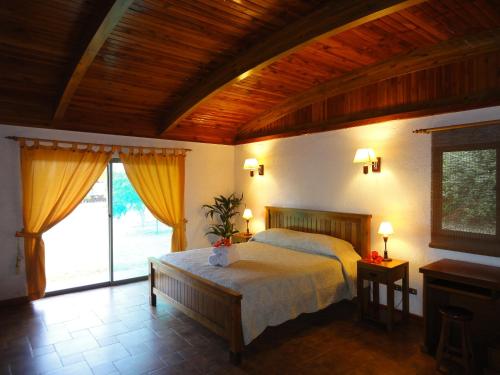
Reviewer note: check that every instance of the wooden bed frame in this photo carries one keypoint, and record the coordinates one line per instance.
(219, 308)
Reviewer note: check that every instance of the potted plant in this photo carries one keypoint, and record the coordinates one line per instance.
(223, 210)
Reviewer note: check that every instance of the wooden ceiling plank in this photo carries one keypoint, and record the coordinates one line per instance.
(440, 54)
(424, 24)
(394, 28)
(445, 105)
(490, 10)
(111, 17)
(459, 14)
(330, 20)
(207, 13)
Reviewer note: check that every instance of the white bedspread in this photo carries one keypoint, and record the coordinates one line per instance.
(277, 284)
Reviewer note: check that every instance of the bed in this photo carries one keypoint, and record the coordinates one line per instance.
(214, 296)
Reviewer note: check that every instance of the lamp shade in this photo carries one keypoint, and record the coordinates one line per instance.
(364, 155)
(247, 214)
(251, 164)
(385, 228)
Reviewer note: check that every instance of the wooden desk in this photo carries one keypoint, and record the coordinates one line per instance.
(473, 286)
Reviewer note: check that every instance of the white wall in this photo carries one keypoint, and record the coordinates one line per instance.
(313, 171)
(316, 171)
(209, 172)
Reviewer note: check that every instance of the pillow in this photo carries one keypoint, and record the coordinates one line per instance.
(312, 243)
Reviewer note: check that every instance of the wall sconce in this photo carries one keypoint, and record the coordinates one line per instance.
(366, 156)
(253, 165)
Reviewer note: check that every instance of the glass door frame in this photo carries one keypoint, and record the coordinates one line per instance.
(111, 281)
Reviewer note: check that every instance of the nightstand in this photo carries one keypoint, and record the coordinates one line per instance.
(384, 273)
(241, 237)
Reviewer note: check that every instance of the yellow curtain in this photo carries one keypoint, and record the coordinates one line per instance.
(159, 182)
(54, 182)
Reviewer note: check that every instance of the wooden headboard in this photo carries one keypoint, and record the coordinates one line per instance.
(354, 228)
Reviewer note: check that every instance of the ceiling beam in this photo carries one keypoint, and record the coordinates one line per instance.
(103, 25)
(441, 54)
(332, 19)
(464, 102)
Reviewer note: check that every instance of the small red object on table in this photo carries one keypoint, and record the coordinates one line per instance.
(374, 258)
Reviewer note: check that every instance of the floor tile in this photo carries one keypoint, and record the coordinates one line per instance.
(107, 341)
(139, 364)
(40, 364)
(105, 354)
(80, 334)
(182, 369)
(105, 369)
(59, 315)
(136, 337)
(135, 349)
(111, 329)
(43, 350)
(74, 346)
(139, 316)
(172, 358)
(72, 359)
(15, 350)
(77, 369)
(83, 322)
(108, 318)
(18, 328)
(45, 338)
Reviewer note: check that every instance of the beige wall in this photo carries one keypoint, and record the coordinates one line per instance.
(316, 172)
(209, 172)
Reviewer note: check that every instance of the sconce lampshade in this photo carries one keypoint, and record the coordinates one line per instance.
(385, 229)
(251, 164)
(364, 155)
(247, 214)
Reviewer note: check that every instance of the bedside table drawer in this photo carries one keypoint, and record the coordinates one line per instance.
(372, 275)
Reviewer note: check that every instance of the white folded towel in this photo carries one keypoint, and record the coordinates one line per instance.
(224, 257)
(221, 250)
(213, 260)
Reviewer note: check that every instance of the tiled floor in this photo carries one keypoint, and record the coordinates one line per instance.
(115, 331)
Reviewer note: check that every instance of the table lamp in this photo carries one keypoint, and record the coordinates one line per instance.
(385, 229)
(247, 215)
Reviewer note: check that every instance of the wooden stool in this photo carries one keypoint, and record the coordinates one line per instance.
(462, 354)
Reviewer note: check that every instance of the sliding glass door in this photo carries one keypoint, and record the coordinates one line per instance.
(107, 238)
(77, 250)
(136, 232)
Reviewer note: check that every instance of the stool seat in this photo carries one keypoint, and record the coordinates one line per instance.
(456, 313)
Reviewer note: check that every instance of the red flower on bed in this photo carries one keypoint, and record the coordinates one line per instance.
(223, 242)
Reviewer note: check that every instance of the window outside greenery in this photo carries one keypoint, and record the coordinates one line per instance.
(469, 191)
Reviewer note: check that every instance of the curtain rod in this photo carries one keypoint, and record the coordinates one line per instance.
(14, 138)
(458, 126)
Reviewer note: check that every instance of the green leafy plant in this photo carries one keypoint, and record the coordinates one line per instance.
(223, 210)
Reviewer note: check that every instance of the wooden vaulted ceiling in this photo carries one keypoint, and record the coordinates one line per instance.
(236, 71)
